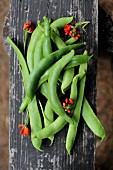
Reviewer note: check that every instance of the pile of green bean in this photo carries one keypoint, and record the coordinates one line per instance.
(54, 76)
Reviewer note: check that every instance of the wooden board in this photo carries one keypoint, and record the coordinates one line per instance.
(22, 154)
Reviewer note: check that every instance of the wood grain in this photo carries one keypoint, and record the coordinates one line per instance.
(22, 154)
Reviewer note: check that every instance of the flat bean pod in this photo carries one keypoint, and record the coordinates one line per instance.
(52, 129)
(92, 121)
(61, 22)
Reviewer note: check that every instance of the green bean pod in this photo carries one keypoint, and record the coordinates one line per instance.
(52, 129)
(74, 91)
(44, 64)
(72, 130)
(36, 35)
(70, 41)
(22, 62)
(92, 121)
(67, 79)
(61, 22)
(47, 48)
(48, 117)
(38, 52)
(78, 60)
(52, 86)
(57, 40)
(35, 121)
(75, 61)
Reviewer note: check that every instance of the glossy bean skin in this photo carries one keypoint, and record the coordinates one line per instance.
(67, 79)
(61, 22)
(75, 61)
(22, 62)
(48, 118)
(52, 86)
(92, 121)
(35, 121)
(36, 35)
(78, 60)
(57, 40)
(47, 48)
(44, 64)
(74, 90)
(70, 41)
(68, 73)
(38, 51)
(72, 130)
(52, 129)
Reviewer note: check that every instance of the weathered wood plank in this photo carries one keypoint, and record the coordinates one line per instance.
(22, 154)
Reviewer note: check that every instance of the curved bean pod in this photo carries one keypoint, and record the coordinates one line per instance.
(44, 64)
(22, 62)
(36, 35)
(52, 129)
(61, 22)
(76, 115)
(35, 123)
(38, 52)
(92, 121)
(57, 40)
(67, 79)
(52, 86)
(70, 41)
(32, 108)
(78, 60)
